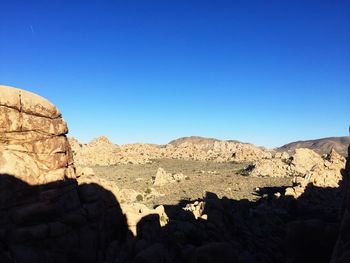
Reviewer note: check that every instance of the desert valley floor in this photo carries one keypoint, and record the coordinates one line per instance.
(223, 179)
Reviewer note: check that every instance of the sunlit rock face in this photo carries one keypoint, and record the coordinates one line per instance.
(45, 215)
(33, 144)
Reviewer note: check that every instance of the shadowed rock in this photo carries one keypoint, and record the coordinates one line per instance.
(341, 253)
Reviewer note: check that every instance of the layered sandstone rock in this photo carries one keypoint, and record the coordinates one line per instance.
(45, 216)
(33, 144)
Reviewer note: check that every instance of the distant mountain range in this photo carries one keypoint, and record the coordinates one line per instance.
(198, 140)
(321, 146)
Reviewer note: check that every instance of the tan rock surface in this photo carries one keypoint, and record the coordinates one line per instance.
(45, 216)
(318, 171)
(271, 168)
(99, 151)
(304, 160)
(32, 138)
(306, 166)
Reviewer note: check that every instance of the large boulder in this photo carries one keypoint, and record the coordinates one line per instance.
(33, 145)
(45, 215)
(304, 160)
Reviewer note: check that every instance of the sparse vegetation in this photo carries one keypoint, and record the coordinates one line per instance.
(139, 198)
(199, 178)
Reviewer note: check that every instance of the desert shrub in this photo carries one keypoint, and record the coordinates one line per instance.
(139, 198)
(246, 170)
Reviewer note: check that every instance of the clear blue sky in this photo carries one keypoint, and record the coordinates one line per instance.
(266, 72)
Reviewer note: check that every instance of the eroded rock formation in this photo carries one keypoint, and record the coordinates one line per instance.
(33, 144)
(45, 216)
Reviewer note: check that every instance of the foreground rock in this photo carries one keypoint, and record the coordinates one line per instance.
(44, 215)
(341, 251)
(33, 144)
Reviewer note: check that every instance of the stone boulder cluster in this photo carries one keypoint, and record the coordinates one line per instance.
(99, 151)
(102, 152)
(163, 178)
(305, 166)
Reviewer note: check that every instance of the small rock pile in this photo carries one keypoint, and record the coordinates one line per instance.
(164, 178)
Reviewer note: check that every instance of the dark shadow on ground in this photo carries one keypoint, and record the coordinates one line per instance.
(269, 230)
(57, 222)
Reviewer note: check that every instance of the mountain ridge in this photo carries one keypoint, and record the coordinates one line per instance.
(321, 146)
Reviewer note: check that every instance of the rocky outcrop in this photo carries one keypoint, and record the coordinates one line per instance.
(102, 152)
(99, 151)
(322, 172)
(305, 166)
(45, 216)
(304, 160)
(217, 151)
(33, 144)
(274, 167)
